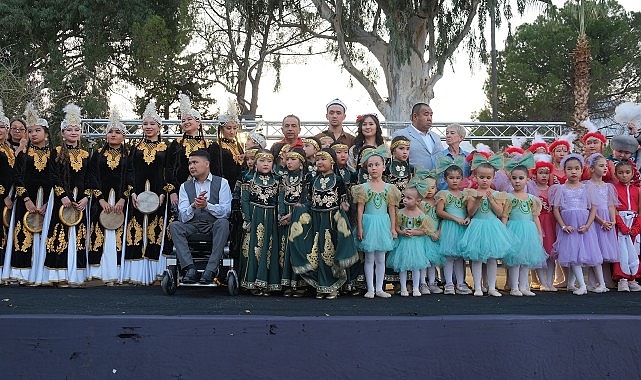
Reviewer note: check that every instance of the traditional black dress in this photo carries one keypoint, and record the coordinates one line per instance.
(259, 200)
(292, 185)
(398, 173)
(35, 178)
(231, 153)
(145, 233)
(7, 177)
(321, 241)
(66, 257)
(105, 246)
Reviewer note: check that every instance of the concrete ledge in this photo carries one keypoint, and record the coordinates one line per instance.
(252, 347)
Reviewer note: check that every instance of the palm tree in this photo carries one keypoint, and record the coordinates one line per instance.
(582, 58)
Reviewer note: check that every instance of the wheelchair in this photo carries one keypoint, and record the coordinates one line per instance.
(200, 248)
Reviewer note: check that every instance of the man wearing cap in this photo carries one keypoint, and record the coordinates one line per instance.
(204, 206)
(291, 132)
(426, 145)
(336, 115)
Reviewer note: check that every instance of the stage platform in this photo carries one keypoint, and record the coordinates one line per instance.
(137, 332)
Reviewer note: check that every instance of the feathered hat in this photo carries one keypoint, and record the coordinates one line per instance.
(537, 143)
(481, 149)
(593, 131)
(3, 119)
(516, 147)
(186, 109)
(542, 161)
(115, 123)
(232, 112)
(628, 112)
(150, 112)
(565, 140)
(72, 116)
(32, 118)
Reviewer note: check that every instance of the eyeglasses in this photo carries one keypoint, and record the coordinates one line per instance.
(17, 129)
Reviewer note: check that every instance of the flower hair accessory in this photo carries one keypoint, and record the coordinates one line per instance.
(526, 160)
(359, 118)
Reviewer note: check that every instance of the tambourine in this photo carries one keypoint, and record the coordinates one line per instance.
(148, 202)
(6, 217)
(69, 216)
(111, 221)
(33, 222)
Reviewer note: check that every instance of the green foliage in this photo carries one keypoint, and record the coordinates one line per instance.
(535, 69)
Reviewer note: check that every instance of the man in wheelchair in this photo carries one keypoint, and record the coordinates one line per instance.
(204, 205)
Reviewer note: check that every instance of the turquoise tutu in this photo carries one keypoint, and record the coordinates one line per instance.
(451, 234)
(432, 252)
(485, 238)
(377, 231)
(409, 254)
(527, 248)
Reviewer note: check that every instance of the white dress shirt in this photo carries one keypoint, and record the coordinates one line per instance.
(220, 210)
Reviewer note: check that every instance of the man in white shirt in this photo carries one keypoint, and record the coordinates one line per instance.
(204, 204)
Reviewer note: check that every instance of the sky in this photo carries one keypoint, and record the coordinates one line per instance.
(307, 87)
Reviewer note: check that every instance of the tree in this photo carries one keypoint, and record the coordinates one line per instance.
(72, 49)
(412, 41)
(535, 81)
(243, 38)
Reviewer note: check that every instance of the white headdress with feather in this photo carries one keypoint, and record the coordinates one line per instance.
(542, 157)
(186, 109)
(72, 116)
(628, 112)
(232, 112)
(569, 138)
(150, 112)
(3, 119)
(115, 123)
(517, 142)
(480, 147)
(32, 118)
(591, 127)
(256, 134)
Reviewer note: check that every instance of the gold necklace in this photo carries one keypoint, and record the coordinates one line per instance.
(40, 157)
(113, 157)
(149, 149)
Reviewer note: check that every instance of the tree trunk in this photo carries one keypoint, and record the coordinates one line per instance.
(582, 59)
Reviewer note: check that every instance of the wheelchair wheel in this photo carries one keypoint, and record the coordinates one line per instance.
(168, 284)
(232, 283)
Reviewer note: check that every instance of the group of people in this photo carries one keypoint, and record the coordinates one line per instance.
(327, 214)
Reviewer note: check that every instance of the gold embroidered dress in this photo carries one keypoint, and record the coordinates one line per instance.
(7, 177)
(292, 185)
(145, 233)
(35, 178)
(260, 260)
(322, 243)
(105, 246)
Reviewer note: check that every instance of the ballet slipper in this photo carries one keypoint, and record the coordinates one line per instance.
(383, 294)
(494, 293)
(369, 294)
(581, 291)
(478, 293)
(527, 292)
(516, 293)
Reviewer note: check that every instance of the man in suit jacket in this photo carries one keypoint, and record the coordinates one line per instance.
(425, 145)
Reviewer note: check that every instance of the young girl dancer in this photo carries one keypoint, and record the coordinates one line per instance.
(398, 170)
(451, 207)
(410, 253)
(521, 215)
(604, 197)
(486, 239)
(432, 245)
(376, 220)
(322, 242)
(66, 258)
(560, 148)
(7, 178)
(259, 201)
(627, 269)
(576, 242)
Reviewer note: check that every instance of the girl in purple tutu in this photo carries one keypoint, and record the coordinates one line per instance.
(605, 199)
(576, 241)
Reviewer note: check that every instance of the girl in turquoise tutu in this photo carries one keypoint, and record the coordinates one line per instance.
(521, 214)
(451, 207)
(376, 219)
(413, 228)
(486, 238)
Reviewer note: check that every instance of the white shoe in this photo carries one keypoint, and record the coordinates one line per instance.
(581, 291)
(634, 286)
(516, 292)
(449, 289)
(494, 293)
(600, 289)
(369, 294)
(434, 289)
(424, 289)
(478, 293)
(417, 293)
(383, 294)
(527, 292)
(463, 289)
(404, 293)
(591, 288)
(623, 285)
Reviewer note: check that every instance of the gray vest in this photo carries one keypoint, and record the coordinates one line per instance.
(214, 190)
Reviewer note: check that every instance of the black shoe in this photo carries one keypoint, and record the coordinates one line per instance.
(190, 277)
(207, 277)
